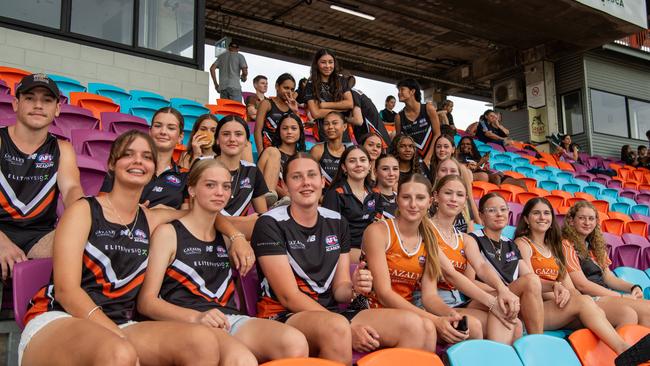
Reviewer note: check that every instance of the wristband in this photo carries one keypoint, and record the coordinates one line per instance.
(635, 286)
(235, 236)
(92, 311)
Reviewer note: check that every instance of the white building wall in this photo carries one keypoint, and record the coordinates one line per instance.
(89, 64)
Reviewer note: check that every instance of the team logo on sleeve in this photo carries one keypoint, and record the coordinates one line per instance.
(245, 183)
(173, 180)
(332, 242)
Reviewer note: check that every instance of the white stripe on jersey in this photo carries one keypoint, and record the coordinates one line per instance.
(318, 289)
(25, 208)
(191, 272)
(108, 268)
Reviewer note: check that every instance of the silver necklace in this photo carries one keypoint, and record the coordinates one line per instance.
(449, 235)
(129, 231)
(497, 252)
(235, 183)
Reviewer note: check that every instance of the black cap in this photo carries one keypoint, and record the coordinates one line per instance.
(32, 81)
(234, 44)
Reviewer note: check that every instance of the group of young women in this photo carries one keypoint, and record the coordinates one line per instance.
(139, 279)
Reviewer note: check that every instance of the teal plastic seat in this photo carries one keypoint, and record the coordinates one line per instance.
(549, 185)
(610, 192)
(119, 95)
(543, 350)
(187, 106)
(500, 158)
(564, 177)
(640, 209)
(559, 333)
(520, 162)
(525, 170)
(508, 232)
(592, 190)
(620, 207)
(634, 276)
(143, 98)
(67, 85)
(482, 352)
(502, 167)
(571, 188)
(627, 200)
(484, 149)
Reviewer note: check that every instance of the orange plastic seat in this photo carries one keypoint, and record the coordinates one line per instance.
(302, 362)
(623, 173)
(556, 201)
(638, 174)
(632, 333)
(563, 165)
(613, 226)
(512, 188)
(178, 150)
(590, 349)
(562, 210)
(636, 227)
(631, 184)
(601, 205)
(540, 163)
(530, 183)
(12, 76)
(602, 216)
(572, 201)
(645, 187)
(514, 175)
(615, 166)
(619, 215)
(524, 197)
(400, 356)
(506, 194)
(93, 102)
(585, 196)
(229, 102)
(478, 192)
(485, 185)
(566, 195)
(540, 191)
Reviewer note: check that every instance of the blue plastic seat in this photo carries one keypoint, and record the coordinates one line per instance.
(148, 99)
(599, 185)
(500, 158)
(119, 95)
(482, 352)
(67, 85)
(187, 106)
(540, 349)
(520, 162)
(525, 170)
(559, 333)
(544, 174)
(508, 232)
(633, 276)
(627, 200)
(483, 149)
(502, 167)
(640, 209)
(592, 190)
(571, 188)
(144, 112)
(620, 207)
(565, 177)
(549, 185)
(610, 192)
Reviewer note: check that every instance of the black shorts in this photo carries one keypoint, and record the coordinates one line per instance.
(24, 238)
(349, 314)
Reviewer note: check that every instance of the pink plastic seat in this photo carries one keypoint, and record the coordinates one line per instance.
(92, 174)
(4, 88)
(29, 277)
(250, 285)
(6, 109)
(94, 143)
(75, 118)
(119, 123)
(613, 242)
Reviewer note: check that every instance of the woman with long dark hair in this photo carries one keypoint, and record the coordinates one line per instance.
(328, 153)
(403, 148)
(272, 110)
(327, 90)
(202, 139)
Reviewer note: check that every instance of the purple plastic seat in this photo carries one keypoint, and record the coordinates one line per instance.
(560, 219)
(29, 277)
(57, 132)
(628, 255)
(515, 212)
(120, 122)
(579, 168)
(7, 121)
(642, 242)
(496, 147)
(250, 285)
(4, 89)
(75, 118)
(585, 176)
(6, 108)
(92, 174)
(612, 183)
(614, 242)
(94, 143)
(643, 197)
(601, 180)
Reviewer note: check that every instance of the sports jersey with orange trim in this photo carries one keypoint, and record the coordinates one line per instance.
(455, 254)
(271, 121)
(28, 190)
(405, 269)
(421, 130)
(200, 277)
(544, 267)
(247, 183)
(114, 264)
(313, 254)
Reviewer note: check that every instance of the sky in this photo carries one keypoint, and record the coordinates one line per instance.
(465, 110)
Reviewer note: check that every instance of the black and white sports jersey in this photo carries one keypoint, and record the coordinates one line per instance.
(200, 277)
(420, 130)
(247, 183)
(313, 253)
(372, 123)
(329, 165)
(504, 256)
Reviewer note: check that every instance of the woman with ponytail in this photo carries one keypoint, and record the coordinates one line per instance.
(403, 256)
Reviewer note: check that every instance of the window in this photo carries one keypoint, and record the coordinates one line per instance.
(167, 26)
(609, 113)
(639, 113)
(111, 20)
(572, 113)
(42, 12)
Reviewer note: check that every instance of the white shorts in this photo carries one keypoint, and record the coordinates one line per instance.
(39, 322)
(236, 322)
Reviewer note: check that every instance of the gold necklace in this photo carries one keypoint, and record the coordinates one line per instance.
(129, 231)
(497, 252)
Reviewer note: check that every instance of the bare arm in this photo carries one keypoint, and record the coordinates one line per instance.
(69, 243)
(213, 74)
(345, 104)
(277, 270)
(398, 125)
(316, 110)
(616, 283)
(262, 110)
(317, 151)
(244, 74)
(68, 175)
(356, 118)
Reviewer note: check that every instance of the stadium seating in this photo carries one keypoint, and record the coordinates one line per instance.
(92, 173)
(93, 102)
(118, 95)
(67, 85)
(482, 352)
(6, 108)
(148, 99)
(541, 350)
(73, 118)
(634, 276)
(4, 89)
(93, 143)
(120, 122)
(12, 76)
(28, 278)
(591, 351)
(187, 106)
(400, 356)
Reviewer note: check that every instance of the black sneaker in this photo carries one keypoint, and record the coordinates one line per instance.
(635, 355)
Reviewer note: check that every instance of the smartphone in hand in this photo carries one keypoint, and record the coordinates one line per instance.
(462, 324)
